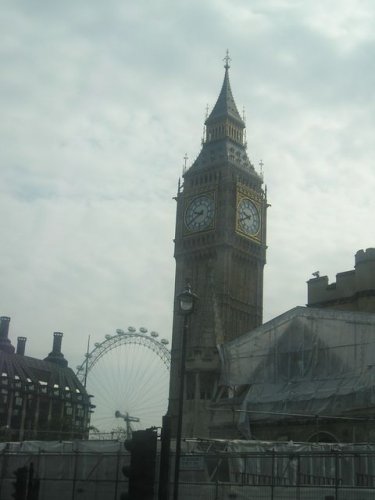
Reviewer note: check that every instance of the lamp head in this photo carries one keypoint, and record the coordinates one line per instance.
(186, 300)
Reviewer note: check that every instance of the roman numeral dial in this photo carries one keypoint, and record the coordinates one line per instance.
(199, 214)
(248, 218)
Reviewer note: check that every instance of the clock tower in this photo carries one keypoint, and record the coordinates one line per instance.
(220, 248)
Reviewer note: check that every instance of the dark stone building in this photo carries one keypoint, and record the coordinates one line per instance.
(39, 399)
(220, 248)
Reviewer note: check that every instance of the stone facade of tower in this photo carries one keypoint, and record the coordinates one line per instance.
(220, 248)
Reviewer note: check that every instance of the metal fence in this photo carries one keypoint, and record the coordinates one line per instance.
(80, 475)
(90, 475)
(319, 475)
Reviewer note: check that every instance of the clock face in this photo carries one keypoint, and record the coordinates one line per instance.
(248, 217)
(199, 214)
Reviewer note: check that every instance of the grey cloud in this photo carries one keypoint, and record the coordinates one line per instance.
(100, 102)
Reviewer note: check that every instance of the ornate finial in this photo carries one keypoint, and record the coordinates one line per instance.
(185, 162)
(243, 114)
(227, 59)
(204, 125)
(261, 168)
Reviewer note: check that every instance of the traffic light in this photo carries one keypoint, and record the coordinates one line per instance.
(141, 472)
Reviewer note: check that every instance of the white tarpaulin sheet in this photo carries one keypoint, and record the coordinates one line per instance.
(311, 361)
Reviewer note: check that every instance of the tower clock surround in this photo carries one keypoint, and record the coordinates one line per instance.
(199, 213)
(220, 247)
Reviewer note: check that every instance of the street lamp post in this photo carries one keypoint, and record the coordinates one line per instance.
(186, 302)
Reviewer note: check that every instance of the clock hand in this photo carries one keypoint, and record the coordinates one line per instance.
(245, 217)
(196, 214)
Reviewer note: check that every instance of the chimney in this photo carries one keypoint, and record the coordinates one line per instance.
(57, 339)
(56, 356)
(5, 343)
(21, 343)
(4, 327)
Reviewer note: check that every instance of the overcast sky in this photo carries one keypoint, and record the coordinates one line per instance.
(100, 101)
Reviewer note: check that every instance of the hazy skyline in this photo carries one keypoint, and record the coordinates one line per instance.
(100, 103)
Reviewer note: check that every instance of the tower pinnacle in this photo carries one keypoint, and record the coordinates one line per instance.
(227, 60)
(225, 106)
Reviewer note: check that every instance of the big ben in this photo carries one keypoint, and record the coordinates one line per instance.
(220, 249)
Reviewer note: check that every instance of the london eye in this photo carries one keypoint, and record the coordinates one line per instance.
(128, 375)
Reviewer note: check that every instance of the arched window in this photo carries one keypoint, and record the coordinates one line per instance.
(322, 437)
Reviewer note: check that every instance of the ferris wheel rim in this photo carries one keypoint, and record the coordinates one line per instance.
(132, 336)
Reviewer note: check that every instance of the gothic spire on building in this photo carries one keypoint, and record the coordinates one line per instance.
(224, 134)
(225, 106)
